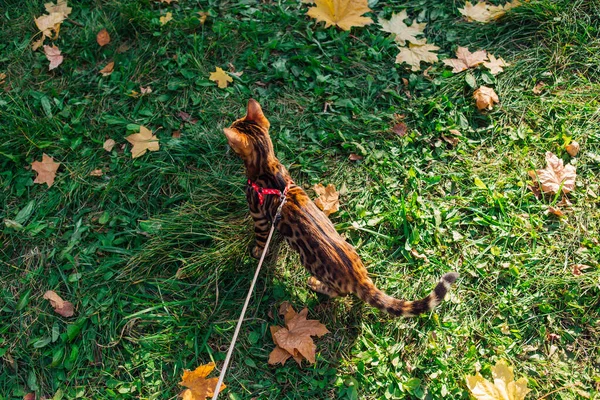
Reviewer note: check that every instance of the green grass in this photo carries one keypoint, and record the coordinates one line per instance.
(154, 254)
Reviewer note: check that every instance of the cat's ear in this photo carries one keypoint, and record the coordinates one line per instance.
(255, 114)
(237, 141)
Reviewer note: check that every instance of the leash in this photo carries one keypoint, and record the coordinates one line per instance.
(239, 323)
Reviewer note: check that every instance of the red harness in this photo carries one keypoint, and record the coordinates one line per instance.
(261, 192)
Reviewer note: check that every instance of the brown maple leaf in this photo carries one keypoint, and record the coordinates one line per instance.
(485, 97)
(465, 59)
(46, 170)
(328, 200)
(556, 176)
(198, 387)
(295, 339)
(60, 306)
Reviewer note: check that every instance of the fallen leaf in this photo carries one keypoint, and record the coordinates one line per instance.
(166, 18)
(485, 97)
(108, 69)
(60, 7)
(498, 11)
(142, 142)
(577, 268)
(415, 53)
(96, 172)
(295, 339)
(342, 13)
(29, 396)
(504, 386)
(53, 55)
(328, 199)
(465, 59)
(60, 306)
(572, 148)
(555, 211)
(185, 117)
(167, 1)
(538, 88)
(403, 33)
(2, 78)
(221, 77)
(123, 47)
(354, 157)
(400, 129)
(452, 141)
(46, 170)
(176, 134)
(48, 23)
(495, 64)
(198, 387)
(555, 177)
(202, 15)
(145, 90)
(505, 329)
(108, 145)
(478, 12)
(103, 38)
(417, 255)
(552, 336)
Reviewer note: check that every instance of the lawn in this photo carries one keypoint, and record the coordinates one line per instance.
(154, 253)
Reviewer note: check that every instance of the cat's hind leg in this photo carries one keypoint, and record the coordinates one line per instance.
(320, 287)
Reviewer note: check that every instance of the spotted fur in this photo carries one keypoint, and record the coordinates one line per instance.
(334, 264)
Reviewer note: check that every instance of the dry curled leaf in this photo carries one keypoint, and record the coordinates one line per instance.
(556, 176)
(198, 387)
(142, 142)
(60, 306)
(495, 64)
(176, 134)
(342, 13)
(572, 148)
(103, 38)
(402, 32)
(538, 88)
(46, 170)
(145, 90)
(354, 157)
(328, 200)
(108, 69)
(166, 18)
(295, 339)
(400, 129)
(221, 77)
(414, 54)
(29, 396)
(555, 211)
(202, 15)
(485, 97)
(465, 59)
(577, 268)
(108, 145)
(2, 78)
(503, 387)
(96, 172)
(48, 23)
(53, 55)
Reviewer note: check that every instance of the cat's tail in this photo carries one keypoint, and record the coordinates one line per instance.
(369, 293)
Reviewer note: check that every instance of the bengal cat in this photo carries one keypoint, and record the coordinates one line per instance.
(334, 264)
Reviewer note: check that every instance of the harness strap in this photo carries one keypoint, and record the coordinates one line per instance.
(261, 191)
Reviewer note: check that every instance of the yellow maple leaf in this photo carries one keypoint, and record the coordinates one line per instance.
(166, 18)
(50, 22)
(479, 12)
(342, 13)
(415, 53)
(60, 7)
(199, 388)
(402, 32)
(142, 142)
(221, 77)
(504, 386)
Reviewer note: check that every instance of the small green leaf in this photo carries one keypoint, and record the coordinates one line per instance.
(479, 183)
(471, 81)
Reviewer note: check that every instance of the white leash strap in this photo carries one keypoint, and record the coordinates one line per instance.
(239, 323)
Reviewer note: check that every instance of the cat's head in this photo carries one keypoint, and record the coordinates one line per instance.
(249, 137)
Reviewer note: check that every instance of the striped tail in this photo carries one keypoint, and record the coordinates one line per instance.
(369, 293)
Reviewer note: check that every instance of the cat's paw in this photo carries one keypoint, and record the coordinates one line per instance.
(256, 252)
